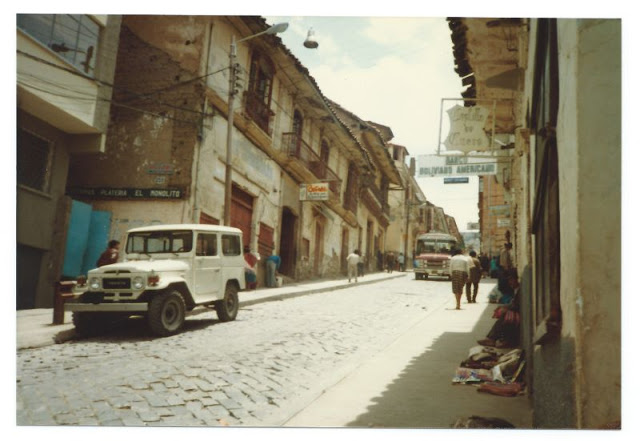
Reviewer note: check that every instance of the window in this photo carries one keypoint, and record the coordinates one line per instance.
(258, 96)
(546, 214)
(206, 245)
(73, 37)
(34, 161)
(231, 245)
(351, 192)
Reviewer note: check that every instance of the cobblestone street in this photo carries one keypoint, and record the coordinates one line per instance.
(256, 371)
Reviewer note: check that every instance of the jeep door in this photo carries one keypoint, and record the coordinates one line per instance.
(207, 268)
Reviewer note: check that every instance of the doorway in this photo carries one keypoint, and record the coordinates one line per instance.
(288, 243)
(344, 252)
(242, 213)
(319, 249)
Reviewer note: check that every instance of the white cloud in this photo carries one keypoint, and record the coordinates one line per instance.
(395, 72)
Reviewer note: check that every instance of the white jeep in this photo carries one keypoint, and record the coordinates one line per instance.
(166, 271)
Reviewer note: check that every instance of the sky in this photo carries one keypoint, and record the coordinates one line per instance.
(394, 71)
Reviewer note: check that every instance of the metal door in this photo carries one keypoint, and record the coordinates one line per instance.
(77, 238)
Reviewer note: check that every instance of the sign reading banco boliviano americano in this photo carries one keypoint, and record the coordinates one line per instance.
(443, 166)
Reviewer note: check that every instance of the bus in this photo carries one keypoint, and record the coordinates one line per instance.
(432, 255)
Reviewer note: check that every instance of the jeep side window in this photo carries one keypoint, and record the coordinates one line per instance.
(206, 245)
(231, 245)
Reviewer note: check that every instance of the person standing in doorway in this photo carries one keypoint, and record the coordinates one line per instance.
(353, 260)
(273, 265)
(459, 270)
(475, 273)
(504, 265)
(110, 255)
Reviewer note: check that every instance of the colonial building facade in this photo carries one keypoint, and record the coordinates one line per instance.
(146, 137)
(556, 87)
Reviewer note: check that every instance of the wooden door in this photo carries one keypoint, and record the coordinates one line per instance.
(319, 249)
(242, 213)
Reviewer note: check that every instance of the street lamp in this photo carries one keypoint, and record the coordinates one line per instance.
(275, 29)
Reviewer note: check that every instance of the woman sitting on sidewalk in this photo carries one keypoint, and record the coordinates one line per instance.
(506, 331)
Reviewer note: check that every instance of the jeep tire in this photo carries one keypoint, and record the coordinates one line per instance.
(227, 308)
(166, 313)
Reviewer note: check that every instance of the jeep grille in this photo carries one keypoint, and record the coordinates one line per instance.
(113, 283)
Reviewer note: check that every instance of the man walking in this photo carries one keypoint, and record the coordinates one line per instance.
(459, 270)
(475, 273)
(352, 265)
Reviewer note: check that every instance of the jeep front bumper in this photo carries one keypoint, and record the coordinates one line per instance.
(106, 307)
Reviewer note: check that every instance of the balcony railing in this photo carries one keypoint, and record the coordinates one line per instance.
(296, 147)
(381, 197)
(258, 111)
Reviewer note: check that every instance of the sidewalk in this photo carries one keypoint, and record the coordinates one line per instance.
(409, 384)
(35, 329)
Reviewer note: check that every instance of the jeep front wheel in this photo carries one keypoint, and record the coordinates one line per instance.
(166, 313)
(227, 308)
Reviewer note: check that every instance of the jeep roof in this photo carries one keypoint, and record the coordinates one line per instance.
(200, 227)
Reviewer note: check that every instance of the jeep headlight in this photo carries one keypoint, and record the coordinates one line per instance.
(137, 283)
(94, 283)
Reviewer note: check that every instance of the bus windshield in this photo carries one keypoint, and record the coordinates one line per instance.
(426, 246)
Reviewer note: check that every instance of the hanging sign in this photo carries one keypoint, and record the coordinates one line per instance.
(314, 192)
(456, 180)
(436, 166)
(466, 133)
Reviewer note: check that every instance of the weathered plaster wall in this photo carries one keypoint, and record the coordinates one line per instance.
(577, 379)
(161, 128)
(38, 213)
(134, 214)
(598, 295)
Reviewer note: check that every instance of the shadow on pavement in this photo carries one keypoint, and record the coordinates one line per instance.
(423, 396)
(135, 329)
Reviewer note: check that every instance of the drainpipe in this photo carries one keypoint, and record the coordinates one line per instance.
(196, 209)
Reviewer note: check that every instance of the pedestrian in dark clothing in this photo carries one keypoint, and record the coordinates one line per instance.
(484, 263)
(360, 265)
(110, 255)
(391, 261)
(475, 272)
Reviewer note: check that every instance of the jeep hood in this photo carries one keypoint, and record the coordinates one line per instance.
(158, 266)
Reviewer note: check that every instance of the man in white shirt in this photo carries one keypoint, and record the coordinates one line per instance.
(459, 269)
(352, 265)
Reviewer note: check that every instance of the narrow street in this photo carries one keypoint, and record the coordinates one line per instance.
(259, 370)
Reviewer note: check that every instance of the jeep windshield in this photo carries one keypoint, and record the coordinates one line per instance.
(156, 242)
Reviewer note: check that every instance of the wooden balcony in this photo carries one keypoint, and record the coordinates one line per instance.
(258, 111)
(297, 148)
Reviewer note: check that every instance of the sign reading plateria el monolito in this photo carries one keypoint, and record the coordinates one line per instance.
(445, 166)
(314, 192)
(466, 133)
